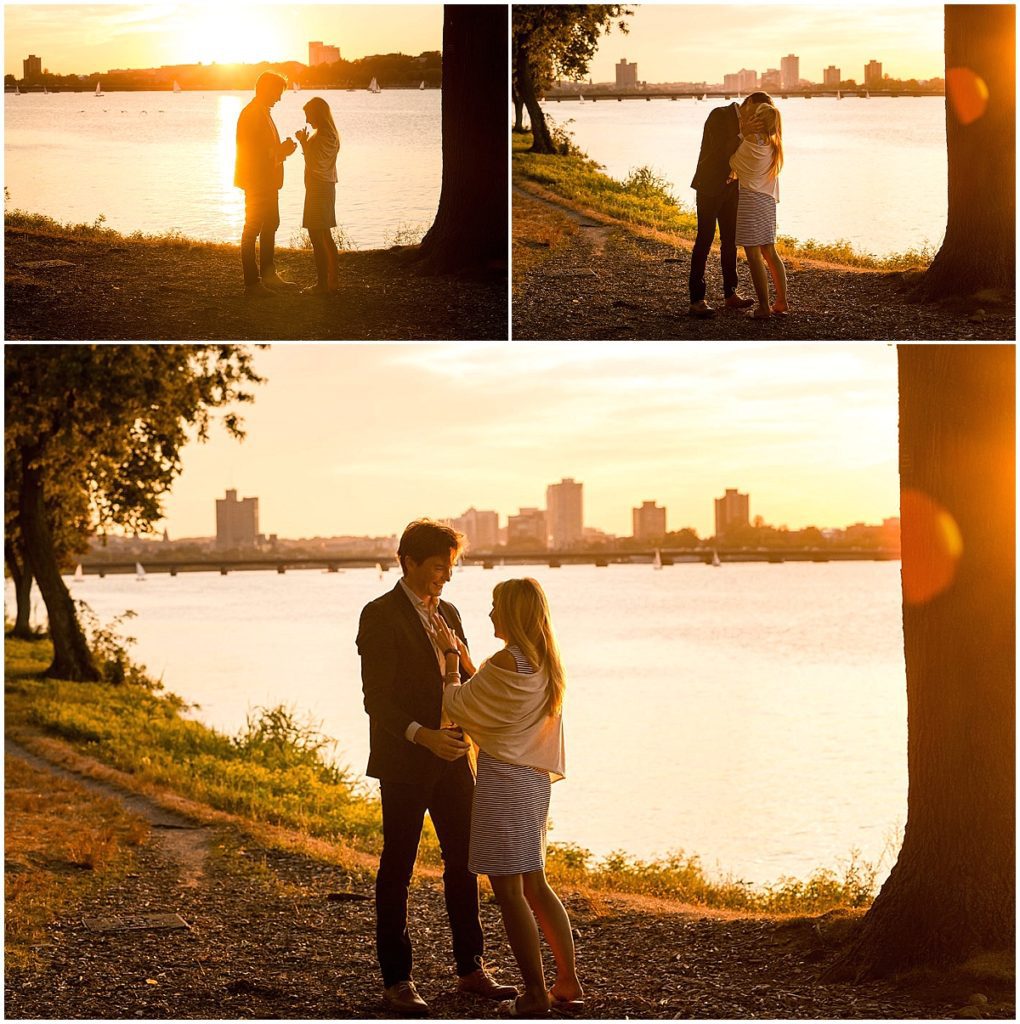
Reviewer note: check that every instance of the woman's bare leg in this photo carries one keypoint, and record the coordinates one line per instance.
(319, 252)
(332, 261)
(778, 271)
(759, 278)
(522, 932)
(555, 924)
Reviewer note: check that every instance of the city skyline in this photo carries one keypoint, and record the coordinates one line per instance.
(86, 38)
(360, 440)
(674, 43)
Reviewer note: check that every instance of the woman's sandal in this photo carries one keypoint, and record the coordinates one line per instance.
(568, 1007)
(509, 1008)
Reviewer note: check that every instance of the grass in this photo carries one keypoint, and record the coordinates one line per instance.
(647, 200)
(61, 843)
(278, 771)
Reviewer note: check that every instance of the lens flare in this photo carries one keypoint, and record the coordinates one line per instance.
(931, 547)
(968, 94)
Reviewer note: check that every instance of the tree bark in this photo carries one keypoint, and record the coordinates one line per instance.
(22, 580)
(952, 891)
(979, 251)
(541, 140)
(518, 102)
(470, 229)
(72, 658)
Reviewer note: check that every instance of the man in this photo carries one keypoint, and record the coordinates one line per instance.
(259, 171)
(717, 194)
(420, 763)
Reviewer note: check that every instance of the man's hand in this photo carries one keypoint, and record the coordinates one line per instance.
(449, 744)
(287, 147)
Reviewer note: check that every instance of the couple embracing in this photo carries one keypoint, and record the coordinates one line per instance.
(429, 707)
(737, 187)
(258, 170)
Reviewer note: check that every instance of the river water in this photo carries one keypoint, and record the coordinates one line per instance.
(871, 171)
(155, 161)
(752, 714)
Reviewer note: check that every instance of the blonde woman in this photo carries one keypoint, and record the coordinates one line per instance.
(512, 709)
(757, 163)
(320, 151)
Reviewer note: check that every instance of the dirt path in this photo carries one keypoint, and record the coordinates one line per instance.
(123, 290)
(280, 935)
(605, 280)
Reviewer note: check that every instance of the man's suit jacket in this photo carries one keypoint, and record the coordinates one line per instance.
(257, 164)
(718, 143)
(402, 683)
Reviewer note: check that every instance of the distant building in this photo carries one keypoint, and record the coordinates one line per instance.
(831, 76)
(480, 529)
(747, 80)
(731, 510)
(626, 75)
(771, 80)
(649, 521)
(790, 71)
(33, 67)
(321, 53)
(873, 74)
(237, 522)
(564, 514)
(731, 83)
(526, 529)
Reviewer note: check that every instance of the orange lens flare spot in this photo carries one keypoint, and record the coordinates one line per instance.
(931, 547)
(967, 93)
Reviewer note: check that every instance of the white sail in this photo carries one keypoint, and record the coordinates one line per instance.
(294, 87)
(99, 88)
(139, 572)
(17, 91)
(657, 560)
(580, 97)
(715, 559)
(373, 86)
(177, 86)
(79, 573)
(379, 569)
(422, 86)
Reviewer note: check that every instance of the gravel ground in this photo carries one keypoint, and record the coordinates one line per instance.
(151, 291)
(280, 935)
(606, 282)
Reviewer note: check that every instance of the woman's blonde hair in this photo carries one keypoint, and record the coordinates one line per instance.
(327, 126)
(769, 122)
(522, 613)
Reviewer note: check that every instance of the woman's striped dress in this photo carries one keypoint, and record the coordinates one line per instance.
(756, 218)
(509, 811)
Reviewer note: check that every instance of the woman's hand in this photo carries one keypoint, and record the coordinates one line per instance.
(448, 640)
(301, 135)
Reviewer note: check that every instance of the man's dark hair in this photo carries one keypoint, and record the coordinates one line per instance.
(758, 97)
(424, 538)
(269, 83)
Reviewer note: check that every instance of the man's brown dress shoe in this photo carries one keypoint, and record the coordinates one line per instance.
(403, 998)
(481, 983)
(701, 309)
(736, 301)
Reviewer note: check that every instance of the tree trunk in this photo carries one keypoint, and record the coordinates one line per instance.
(518, 102)
(541, 140)
(470, 229)
(22, 580)
(72, 658)
(952, 891)
(979, 251)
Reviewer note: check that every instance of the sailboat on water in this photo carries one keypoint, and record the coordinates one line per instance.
(657, 560)
(17, 91)
(79, 573)
(715, 559)
(177, 86)
(139, 572)
(99, 88)
(373, 86)
(422, 86)
(294, 87)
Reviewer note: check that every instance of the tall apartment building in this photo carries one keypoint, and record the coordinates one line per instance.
(480, 529)
(831, 76)
(747, 80)
(237, 522)
(731, 83)
(873, 74)
(564, 514)
(649, 521)
(526, 529)
(731, 510)
(33, 67)
(789, 68)
(771, 80)
(626, 75)
(322, 53)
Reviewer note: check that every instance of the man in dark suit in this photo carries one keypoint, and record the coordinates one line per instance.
(258, 169)
(717, 203)
(420, 763)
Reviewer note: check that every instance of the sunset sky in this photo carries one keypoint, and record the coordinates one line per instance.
(362, 439)
(84, 38)
(702, 43)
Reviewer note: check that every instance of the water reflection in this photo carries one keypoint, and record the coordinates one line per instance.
(230, 199)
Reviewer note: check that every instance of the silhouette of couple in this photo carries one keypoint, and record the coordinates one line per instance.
(737, 187)
(259, 171)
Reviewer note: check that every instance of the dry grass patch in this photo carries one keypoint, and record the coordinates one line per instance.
(537, 232)
(61, 843)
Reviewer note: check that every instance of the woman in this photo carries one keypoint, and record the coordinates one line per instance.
(320, 152)
(511, 707)
(757, 163)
